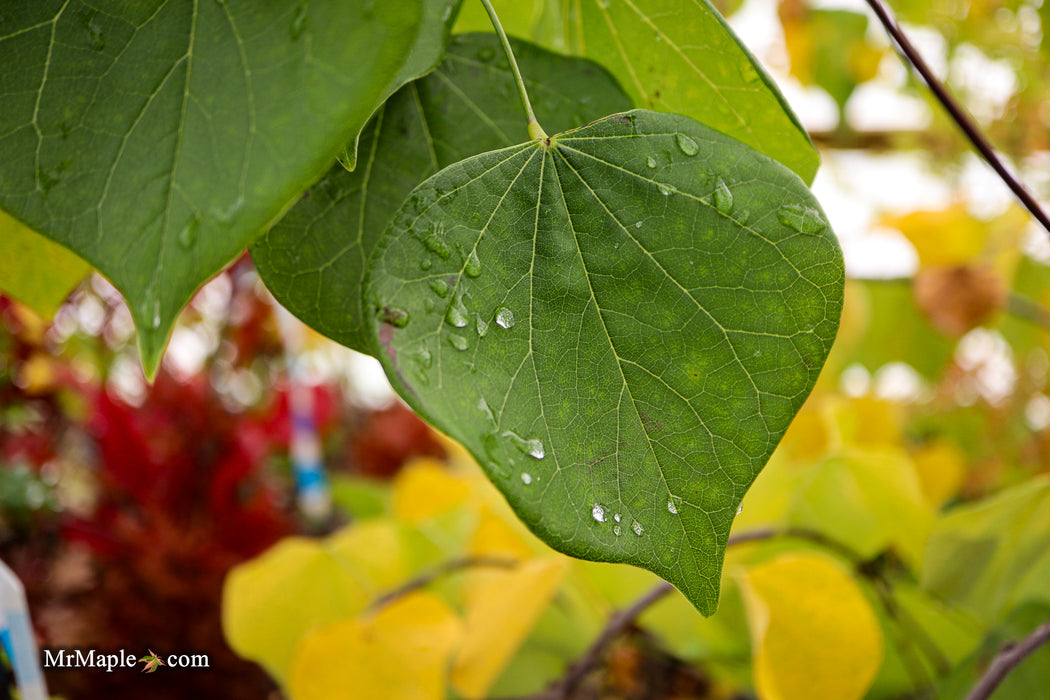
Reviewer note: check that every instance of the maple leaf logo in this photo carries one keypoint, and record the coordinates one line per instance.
(152, 662)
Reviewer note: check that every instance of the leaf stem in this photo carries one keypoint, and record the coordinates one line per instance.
(444, 569)
(536, 131)
(964, 121)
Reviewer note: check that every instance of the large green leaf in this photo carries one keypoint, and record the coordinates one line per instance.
(681, 56)
(671, 55)
(157, 139)
(619, 323)
(992, 556)
(34, 270)
(313, 259)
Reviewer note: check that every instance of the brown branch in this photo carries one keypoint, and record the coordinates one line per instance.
(449, 567)
(1006, 660)
(964, 121)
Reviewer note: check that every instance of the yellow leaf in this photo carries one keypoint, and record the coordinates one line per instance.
(36, 270)
(398, 653)
(942, 237)
(941, 469)
(868, 421)
(373, 552)
(269, 603)
(425, 489)
(502, 608)
(814, 634)
(498, 538)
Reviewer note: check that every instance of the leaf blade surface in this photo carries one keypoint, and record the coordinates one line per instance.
(619, 326)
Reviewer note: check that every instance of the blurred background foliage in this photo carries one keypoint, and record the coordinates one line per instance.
(903, 524)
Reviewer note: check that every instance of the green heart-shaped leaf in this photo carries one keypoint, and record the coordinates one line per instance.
(157, 139)
(619, 324)
(313, 260)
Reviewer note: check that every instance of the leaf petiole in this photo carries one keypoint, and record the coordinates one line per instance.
(536, 131)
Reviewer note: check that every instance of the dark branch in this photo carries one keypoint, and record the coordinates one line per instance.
(1006, 660)
(958, 114)
(429, 577)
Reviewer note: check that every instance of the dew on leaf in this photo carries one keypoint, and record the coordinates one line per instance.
(666, 189)
(504, 317)
(598, 512)
(616, 517)
(739, 510)
(298, 22)
(526, 478)
(188, 235)
(687, 145)
(422, 357)
(801, 218)
(651, 162)
(481, 325)
(425, 264)
(473, 265)
(439, 287)
(483, 406)
(457, 341)
(616, 530)
(672, 508)
(637, 224)
(723, 197)
(428, 305)
(532, 446)
(434, 240)
(456, 315)
(637, 527)
(156, 314)
(395, 316)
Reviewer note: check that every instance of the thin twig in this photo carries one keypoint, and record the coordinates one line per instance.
(425, 579)
(958, 114)
(1006, 660)
(1028, 310)
(617, 624)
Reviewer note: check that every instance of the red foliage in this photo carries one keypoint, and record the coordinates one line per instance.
(389, 438)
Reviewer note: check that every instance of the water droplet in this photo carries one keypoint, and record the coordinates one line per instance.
(434, 240)
(616, 517)
(298, 22)
(504, 317)
(482, 325)
(456, 315)
(188, 235)
(486, 54)
(743, 217)
(526, 478)
(637, 224)
(473, 265)
(666, 189)
(723, 197)
(740, 510)
(651, 162)
(428, 305)
(532, 447)
(395, 316)
(94, 32)
(598, 512)
(425, 264)
(422, 357)
(483, 406)
(637, 527)
(687, 144)
(801, 218)
(616, 530)
(156, 314)
(439, 287)
(457, 341)
(672, 508)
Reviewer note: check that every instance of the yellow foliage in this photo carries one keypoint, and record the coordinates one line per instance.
(814, 634)
(940, 466)
(496, 537)
(867, 421)
(501, 610)
(273, 600)
(425, 489)
(398, 653)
